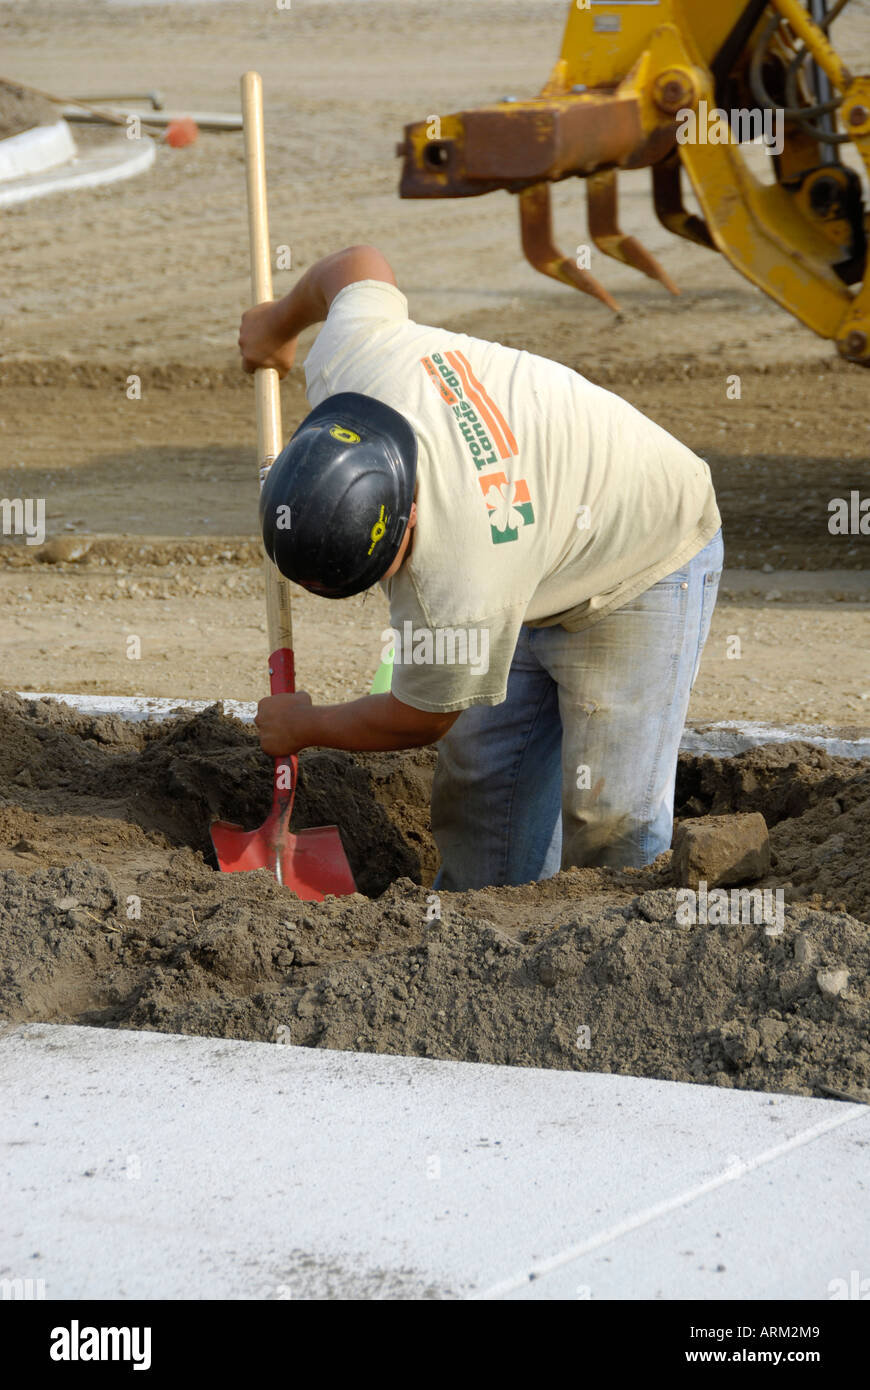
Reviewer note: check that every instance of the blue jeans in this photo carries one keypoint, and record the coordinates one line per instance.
(577, 765)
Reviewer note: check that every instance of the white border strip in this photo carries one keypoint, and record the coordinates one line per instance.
(139, 707)
(731, 736)
(726, 737)
(32, 151)
(86, 172)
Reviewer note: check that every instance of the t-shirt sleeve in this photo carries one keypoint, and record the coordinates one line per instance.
(447, 668)
(353, 314)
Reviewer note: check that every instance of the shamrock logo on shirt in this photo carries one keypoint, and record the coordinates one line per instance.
(503, 515)
(508, 506)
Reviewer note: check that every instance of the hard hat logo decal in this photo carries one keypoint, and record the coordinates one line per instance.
(346, 436)
(378, 531)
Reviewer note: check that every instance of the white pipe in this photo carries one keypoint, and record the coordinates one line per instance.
(206, 120)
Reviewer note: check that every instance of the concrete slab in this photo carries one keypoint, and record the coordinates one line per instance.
(152, 1166)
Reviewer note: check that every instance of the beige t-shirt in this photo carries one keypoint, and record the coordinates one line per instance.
(541, 498)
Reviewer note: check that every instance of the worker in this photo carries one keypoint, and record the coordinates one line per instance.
(551, 559)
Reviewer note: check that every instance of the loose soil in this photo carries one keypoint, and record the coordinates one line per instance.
(151, 531)
(21, 110)
(113, 914)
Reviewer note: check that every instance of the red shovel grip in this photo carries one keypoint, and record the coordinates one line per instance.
(282, 672)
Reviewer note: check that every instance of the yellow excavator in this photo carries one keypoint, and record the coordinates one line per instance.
(695, 85)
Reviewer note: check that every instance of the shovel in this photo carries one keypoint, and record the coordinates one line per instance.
(312, 862)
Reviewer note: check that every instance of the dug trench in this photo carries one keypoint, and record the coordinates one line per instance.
(112, 913)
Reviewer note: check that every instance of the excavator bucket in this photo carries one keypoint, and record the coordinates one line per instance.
(685, 86)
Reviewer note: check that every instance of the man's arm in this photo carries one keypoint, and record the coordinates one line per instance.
(288, 723)
(268, 333)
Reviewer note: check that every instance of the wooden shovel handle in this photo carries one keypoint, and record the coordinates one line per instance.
(278, 610)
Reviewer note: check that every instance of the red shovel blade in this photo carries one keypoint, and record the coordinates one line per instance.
(312, 862)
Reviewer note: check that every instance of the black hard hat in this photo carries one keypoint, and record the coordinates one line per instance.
(336, 501)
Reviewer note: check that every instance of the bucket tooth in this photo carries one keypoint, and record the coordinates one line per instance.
(536, 230)
(669, 206)
(605, 231)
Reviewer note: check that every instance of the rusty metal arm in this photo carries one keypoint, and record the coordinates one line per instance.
(513, 145)
(605, 231)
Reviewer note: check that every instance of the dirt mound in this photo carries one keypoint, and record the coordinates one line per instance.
(618, 986)
(112, 913)
(817, 808)
(617, 989)
(20, 110)
(169, 781)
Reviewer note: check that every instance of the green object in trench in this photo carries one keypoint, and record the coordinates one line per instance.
(383, 678)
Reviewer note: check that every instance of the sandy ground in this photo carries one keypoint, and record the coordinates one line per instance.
(148, 278)
(151, 508)
(804, 652)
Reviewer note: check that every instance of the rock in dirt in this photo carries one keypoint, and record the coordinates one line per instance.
(658, 905)
(63, 550)
(740, 1042)
(771, 1031)
(721, 850)
(809, 800)
(831, 983)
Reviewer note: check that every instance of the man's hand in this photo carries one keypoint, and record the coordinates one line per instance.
(263, 343)
(289, 723)
(283, 723)
(268, 334)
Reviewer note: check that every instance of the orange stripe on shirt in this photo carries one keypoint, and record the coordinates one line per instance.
(438, 381)
(477, 399)
(478, 385)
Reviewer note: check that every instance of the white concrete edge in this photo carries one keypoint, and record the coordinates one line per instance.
(84, 173)
(725, 737)
(359, 1207)
(731, 736)
(32, 151)
(139, 707)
